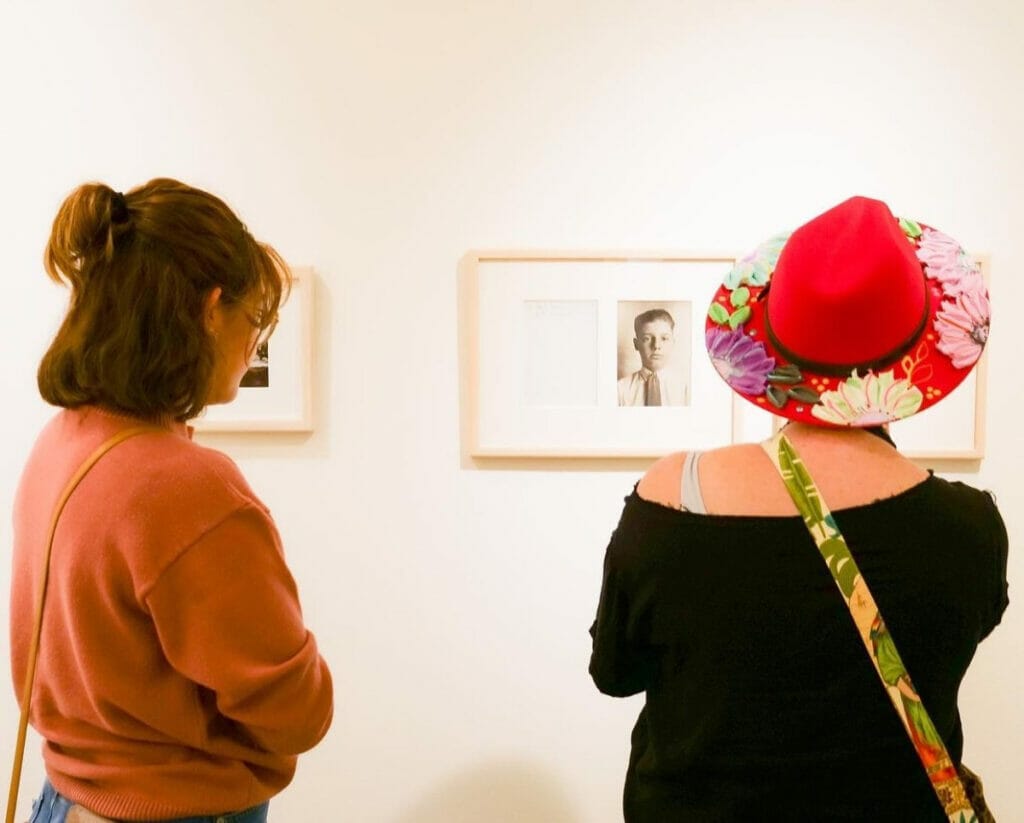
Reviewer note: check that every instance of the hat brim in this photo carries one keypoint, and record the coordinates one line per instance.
(931, 366)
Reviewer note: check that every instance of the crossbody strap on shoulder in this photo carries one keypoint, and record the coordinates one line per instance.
(33, 652)
(878, 642)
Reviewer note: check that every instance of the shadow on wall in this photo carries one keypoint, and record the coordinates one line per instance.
(499, 792)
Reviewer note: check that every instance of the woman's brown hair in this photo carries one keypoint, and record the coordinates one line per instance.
(140, 266)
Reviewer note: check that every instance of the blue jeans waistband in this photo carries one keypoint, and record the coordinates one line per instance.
(53, 807)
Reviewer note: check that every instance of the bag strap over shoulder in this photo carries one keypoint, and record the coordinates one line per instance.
(33, 653)
(874, 634)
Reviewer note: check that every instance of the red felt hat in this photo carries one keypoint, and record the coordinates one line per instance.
(856, 318)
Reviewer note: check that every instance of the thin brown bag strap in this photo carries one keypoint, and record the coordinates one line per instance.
(33, 652)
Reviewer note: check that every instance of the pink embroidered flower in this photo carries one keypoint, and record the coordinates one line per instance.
(869, 400)
(963, 325)
(944, 260)
(743, 363)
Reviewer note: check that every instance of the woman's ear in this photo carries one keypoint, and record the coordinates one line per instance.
(211, 310)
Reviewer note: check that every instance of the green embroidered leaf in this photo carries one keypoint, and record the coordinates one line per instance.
(740, 297)
(785, 374)
(805, 394)
(801, 486)
(759, 276)
(718, 313)
(776, 396)
(910, 227)
(738, 317)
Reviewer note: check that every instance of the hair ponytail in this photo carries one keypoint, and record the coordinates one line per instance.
(85, 231)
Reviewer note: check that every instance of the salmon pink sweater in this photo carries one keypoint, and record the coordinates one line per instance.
(176, 676)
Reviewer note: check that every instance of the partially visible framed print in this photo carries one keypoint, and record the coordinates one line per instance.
(953, 430)
(276, 392)
(562, 349)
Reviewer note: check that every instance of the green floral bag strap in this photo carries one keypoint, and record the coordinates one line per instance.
(872, 630)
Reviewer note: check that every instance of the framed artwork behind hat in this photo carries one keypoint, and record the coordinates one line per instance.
(953, 430)
(558, 351)
(276, 392)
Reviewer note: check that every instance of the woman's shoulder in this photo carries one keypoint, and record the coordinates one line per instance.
(161, 468)
(192, 472)
(662, 482)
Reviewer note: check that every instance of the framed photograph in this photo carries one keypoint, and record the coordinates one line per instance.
(276, 392)
(594, 355)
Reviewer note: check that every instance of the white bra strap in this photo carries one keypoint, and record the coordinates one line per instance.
(689, 485)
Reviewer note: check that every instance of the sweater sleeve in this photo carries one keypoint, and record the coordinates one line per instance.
(228, 617)
(621, 661)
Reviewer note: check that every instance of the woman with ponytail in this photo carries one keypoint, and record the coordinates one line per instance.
(176, 680)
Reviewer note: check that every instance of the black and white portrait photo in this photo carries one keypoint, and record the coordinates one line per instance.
(258, 375)
(654, 353)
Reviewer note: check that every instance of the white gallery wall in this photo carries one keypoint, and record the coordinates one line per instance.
(380, 141)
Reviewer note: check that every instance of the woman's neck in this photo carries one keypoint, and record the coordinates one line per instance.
(876, 436)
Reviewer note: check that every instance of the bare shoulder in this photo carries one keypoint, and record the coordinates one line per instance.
(740, 479)
(661, 482)
(719, 468)
(738, 456)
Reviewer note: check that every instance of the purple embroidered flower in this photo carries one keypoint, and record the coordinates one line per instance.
(743, 363)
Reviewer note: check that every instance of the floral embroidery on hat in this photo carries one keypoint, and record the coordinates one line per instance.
(944, 260)
(963, 327)
(962, 323)
(743, 363)
(869, 400)
(755, 269)
(738, 299)
(911, 228)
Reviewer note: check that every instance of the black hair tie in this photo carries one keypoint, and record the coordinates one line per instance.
(118, 209)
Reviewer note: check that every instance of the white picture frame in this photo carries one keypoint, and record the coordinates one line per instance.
(497, 427)
(285, 402)
(512, 300)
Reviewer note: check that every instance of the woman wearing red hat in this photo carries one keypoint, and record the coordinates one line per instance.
(778, 678)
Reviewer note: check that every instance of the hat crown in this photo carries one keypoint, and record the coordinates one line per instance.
(848, 289)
